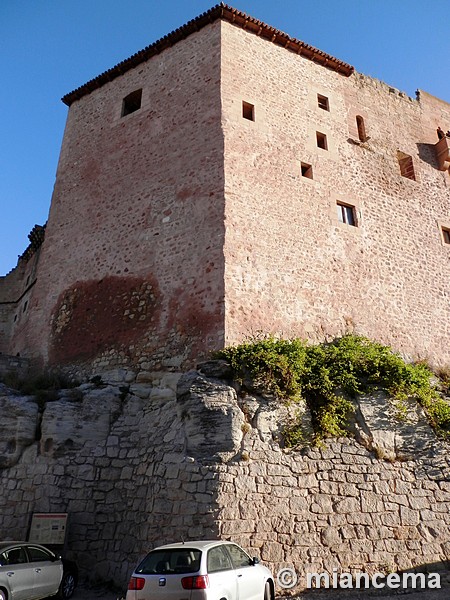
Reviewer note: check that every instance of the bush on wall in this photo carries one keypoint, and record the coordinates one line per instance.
(329, 375)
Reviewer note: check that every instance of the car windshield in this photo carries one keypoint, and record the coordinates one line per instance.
(176, 560)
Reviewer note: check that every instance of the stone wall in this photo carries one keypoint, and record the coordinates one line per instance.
(140, 462)
(290, 266)
(132, 263)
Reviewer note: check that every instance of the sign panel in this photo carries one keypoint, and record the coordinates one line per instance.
(48, 528)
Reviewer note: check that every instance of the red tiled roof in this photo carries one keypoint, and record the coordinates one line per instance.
(226, 13)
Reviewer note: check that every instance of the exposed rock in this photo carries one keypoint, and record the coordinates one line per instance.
(68, 425)
(19, 423)
(213, 421)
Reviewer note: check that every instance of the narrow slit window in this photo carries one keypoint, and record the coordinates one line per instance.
(446, 235)
(321, 140)
(248, 111)
(131, 103)
(406, 165)
(323, 103)
(346, 214)
(307, 170)
(25, 306)
(361, 129)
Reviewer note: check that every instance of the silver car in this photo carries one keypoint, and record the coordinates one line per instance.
(207, 570)
(28, 571)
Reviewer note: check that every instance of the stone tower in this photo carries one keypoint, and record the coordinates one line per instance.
(230, 179)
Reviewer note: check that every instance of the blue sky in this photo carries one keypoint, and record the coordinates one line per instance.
(50, 47)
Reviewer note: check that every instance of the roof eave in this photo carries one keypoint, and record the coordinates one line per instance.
(220, 11)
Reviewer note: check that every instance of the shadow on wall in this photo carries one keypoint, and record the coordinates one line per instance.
(427, 153)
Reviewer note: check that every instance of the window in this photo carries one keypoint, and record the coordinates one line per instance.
(361, 129)
(39, 554)
(25, 306)
(323, 103)
(248, 111)
(239, 557)
(307, 171)
(15, 556)
(346, 214)
(131, 103)
(321, 140)
(218, 560)
(406, 165)
(161, 562)
(446, 235)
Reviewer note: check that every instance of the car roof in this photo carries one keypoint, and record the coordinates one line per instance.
(195, 544)
(8, 543)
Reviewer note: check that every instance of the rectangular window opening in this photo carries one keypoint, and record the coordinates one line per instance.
(248, 111)
(131, 103)
(307, 171)
(446, 235)
(321, 140)
(406, 165)
(323, 103)
(346, 214)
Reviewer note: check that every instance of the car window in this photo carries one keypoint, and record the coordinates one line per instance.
(162, 562)
(218, 560)
(15, 556)
(38, 554)
(238, 556)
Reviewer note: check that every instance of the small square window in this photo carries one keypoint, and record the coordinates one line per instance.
(346, 214)
(446, 235)
(307, 171)
(323, 103)
(131, 103)
(248, 111)
(321, 140)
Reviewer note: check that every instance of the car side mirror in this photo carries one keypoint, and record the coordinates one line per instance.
(255, 561)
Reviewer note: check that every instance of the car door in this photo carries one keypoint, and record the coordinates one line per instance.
(47, 569)
(18, 573)
(222, 576)
(250, 581)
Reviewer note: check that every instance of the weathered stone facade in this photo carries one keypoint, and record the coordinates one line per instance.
(182, 226)
(139, 462)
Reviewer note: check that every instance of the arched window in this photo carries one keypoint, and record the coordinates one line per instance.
(361, 129)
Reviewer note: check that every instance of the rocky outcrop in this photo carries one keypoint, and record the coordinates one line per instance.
(140, 462)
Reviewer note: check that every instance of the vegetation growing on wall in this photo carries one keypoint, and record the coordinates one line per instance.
(327, 376)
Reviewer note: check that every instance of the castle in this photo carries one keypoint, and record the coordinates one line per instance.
(230, 179)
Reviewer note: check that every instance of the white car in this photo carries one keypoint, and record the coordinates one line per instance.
(206, 570)
(28, 571)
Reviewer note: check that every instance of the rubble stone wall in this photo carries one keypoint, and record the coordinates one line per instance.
(140, 463)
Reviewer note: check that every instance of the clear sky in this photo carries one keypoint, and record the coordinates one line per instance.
(51, 47)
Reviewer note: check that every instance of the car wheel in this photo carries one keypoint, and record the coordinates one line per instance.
(3, 595)
(267, 591)
(67, 586)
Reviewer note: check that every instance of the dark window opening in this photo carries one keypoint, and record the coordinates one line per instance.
(446, 235)
(361, 129)
(346, 214)
(307, 171)
(406, 165)
(25, 306)
(321, 140)
(131, 103)
(323, 103)
(248, 111)
(15, 318)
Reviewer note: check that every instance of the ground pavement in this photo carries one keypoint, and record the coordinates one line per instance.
(83, 593)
